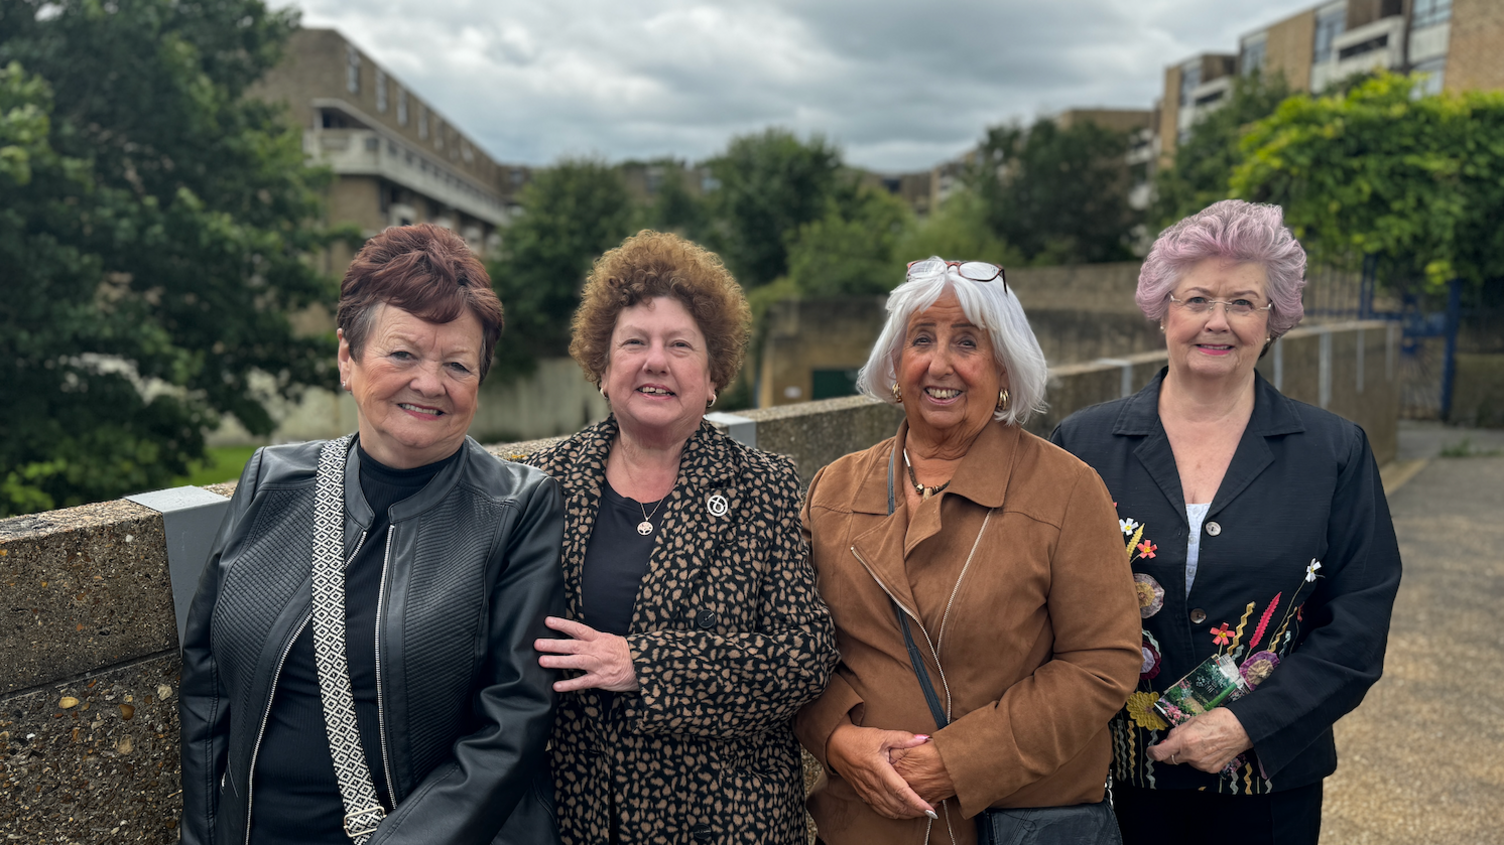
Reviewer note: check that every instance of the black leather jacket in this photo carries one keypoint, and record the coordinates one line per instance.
(471, 570)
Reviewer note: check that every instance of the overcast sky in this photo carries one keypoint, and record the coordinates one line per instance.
(900, 86)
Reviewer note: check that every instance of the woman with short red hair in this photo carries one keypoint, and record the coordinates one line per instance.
(354, 665)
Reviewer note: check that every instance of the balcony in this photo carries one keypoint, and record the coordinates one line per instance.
(1376, 46)
(367, 152)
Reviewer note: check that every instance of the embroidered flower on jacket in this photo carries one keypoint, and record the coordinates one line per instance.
(1151, 596)
(1128, 525)
(1222, 635)
(1311, 570)
(1150, 668)
(1256, 668)
(1146, 549)
(1141, 711)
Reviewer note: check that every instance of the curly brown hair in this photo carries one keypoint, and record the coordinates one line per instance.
(652, 264)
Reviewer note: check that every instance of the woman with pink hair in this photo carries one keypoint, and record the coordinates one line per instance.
(1262, 550)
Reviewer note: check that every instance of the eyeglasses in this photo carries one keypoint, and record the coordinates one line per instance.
(976, 271)
(1234, 307)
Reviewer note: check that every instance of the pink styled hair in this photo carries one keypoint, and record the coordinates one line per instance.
(1254, 233)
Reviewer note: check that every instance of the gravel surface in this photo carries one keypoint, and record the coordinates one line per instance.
(1422, 760)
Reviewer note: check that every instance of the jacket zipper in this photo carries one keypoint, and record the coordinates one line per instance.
(386, 766)
(250, 782)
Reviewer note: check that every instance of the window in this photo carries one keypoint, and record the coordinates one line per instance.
(1190, 77)
(1430, 13)
(1362, 47)
(1329, 25)
(401, 107)
(1429, 77)
(352, 70)
(1208, 99)
(423, 121)
(1252, 58)
(380, 90)
(438, 134)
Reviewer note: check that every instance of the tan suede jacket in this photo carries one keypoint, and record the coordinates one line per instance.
(1039, 641)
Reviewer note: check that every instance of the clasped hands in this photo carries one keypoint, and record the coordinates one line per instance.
(1207, 741)
(900, 775)
(605, 659)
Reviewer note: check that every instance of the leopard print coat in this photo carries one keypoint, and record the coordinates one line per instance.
(729, 638)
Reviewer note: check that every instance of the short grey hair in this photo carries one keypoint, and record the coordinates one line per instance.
(991, 306)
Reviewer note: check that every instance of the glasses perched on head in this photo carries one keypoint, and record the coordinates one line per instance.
(976, 271)
(1233, 307)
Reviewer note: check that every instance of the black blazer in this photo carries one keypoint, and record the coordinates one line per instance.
(1302, 489)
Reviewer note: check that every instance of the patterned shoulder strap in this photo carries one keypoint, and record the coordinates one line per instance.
(363, 810)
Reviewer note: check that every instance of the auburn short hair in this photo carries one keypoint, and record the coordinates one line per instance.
(427, 271)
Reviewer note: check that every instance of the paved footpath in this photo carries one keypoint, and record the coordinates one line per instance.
(1422, 759)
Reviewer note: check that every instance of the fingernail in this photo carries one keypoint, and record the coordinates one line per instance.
(922, 737)
(931, 814)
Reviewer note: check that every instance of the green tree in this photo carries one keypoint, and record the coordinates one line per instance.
(151, 241)
(1378, 172)
(676, 208)
(770, 184)
(850, 250)
(1204, 162)
(959, 231)
(1057, 195)
(571, 213)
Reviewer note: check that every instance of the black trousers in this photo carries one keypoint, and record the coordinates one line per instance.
(1157, 816)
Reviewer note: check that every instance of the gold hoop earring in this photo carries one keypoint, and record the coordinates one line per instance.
(1003, 400)
(897, 394)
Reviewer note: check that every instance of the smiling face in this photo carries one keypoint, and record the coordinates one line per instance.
(658, 375)
(949, 375)
(1216, 345)
(414, 385)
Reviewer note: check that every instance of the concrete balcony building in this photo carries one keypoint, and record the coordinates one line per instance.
(396, 158)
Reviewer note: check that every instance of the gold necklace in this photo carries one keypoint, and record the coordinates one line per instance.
(923, 491)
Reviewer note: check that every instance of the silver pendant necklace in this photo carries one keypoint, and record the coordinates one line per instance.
(645, 527)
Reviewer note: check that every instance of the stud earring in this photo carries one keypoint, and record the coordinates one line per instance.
(897, 394)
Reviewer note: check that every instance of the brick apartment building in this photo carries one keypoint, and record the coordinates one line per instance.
(397, 160)
(1456, 44)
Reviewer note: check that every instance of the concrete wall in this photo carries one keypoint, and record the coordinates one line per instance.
(88, 686)
(1078, 312)
(1478, 392)
(555, 398)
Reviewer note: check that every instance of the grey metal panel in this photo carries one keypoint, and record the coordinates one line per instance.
(739, 428)
(190, 518)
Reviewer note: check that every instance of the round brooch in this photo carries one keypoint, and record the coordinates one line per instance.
(717, 504)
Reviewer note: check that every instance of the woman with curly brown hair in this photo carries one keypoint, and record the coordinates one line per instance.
(694, 631)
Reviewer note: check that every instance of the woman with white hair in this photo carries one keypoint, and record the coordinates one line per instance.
(983, 604)
(1261, 547)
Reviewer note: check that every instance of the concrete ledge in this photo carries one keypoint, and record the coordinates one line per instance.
(95, 760)
(85, 588)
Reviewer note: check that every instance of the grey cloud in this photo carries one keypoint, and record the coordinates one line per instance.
(900, 85)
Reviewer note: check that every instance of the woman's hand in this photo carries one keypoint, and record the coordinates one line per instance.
(1208, 741)
(604, 658)
(921, 767)
(863, 757)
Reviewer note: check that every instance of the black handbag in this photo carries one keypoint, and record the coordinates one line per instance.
(1077, 824)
